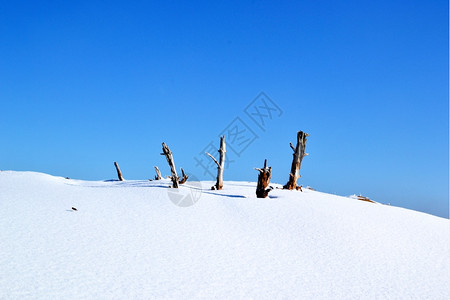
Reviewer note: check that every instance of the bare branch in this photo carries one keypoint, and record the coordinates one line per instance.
(158, 173)
(292, 147)
(184, 178)
(218, 165)
(119, 173)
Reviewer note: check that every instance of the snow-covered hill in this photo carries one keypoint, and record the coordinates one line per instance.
(129, 240)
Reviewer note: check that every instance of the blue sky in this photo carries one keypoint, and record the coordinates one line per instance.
(85, 84)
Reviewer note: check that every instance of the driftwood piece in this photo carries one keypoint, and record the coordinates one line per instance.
(220, 164)
(362, 198)
(119, 173)
(184, 177)
(169, 157)
(263, 181)
(299, 153)
(158, 174)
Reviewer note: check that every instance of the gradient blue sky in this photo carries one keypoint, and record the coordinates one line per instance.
(85, 84)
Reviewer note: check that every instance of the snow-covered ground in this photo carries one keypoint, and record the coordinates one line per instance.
(128, 240)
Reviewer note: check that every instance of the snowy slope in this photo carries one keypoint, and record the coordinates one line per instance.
(129, 240)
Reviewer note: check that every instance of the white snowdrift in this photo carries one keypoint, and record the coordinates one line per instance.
(128, 240)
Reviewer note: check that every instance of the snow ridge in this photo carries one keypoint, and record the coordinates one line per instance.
(129, 240)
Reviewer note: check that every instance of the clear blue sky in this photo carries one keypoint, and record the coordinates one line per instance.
(85, 84)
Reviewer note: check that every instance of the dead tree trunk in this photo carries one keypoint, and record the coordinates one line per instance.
(184, 178)
(299, 153)
(263, 181)
(119, 174)
(169, 157)
(221, 165)
(158, 174)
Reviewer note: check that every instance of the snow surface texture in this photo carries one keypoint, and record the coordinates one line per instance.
(128, 240)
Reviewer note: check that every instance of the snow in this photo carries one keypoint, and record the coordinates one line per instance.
(128, 240)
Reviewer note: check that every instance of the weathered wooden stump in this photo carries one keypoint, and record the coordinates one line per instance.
(220, 165)
(299, 153)
(168, 154)
(263, 181)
